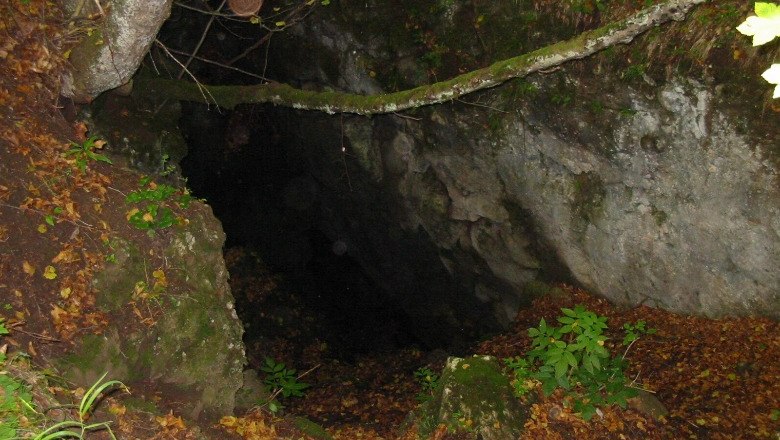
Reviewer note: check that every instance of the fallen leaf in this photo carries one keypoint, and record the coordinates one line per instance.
(28, 268)
(50, 273)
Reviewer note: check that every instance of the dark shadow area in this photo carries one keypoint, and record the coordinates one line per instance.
(268, 205)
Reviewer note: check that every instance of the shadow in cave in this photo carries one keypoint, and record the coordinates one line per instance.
(290, 280)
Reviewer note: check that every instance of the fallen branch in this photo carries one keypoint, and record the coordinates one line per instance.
(583, 45)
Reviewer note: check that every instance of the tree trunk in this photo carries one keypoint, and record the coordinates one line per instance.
(583, 45)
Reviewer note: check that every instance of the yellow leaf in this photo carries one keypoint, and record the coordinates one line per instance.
(130, 213)
(67, 256)
(228, 421)
(170, 421)
(148, 217)
(99, 143)
(19, 315)
(57, 313)
(28, 268)
(49, 272)
(65, 293)
(42, 228)
(97, 207)
(280, 23)
(117, 409)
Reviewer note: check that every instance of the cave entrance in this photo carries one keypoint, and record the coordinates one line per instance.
(292, 281)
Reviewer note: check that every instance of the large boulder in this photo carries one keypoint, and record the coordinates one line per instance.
(656, 188)
(193, 340)
(111, 53)
(474, 398)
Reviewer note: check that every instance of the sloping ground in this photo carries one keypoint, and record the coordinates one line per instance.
(62, 208)
(717, 378)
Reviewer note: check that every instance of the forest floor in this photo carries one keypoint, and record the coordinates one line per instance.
(719, 379)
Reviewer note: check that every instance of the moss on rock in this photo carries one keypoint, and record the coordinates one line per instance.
(194, 345)
(474, 398)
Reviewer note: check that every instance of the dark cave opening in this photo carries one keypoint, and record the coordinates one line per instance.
(240, 163)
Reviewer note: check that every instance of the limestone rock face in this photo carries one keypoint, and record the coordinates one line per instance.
(648, 191)
(109, 57)
(194, 346)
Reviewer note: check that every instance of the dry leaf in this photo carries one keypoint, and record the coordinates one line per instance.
(50, 273)
(28, 268)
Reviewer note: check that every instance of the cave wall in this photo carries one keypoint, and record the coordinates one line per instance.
(648, 179)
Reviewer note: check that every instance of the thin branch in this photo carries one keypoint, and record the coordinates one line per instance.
(224, 66)
(584, 45)
(200, 43)
(201, 88)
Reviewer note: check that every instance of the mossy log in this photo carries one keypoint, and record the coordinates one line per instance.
(581, 46)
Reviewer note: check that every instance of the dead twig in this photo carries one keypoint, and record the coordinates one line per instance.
(197, 46)
(203, 90)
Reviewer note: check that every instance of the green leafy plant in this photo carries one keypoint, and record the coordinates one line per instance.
(634, 71)
(561, 98)
(79, 428)
(15, 403)
(634, 331)
(573, 356)
(281, 380)
(50, 218)
(154, 211)
(85, 152)
(764, 27)
(429, 381)
(522, 375)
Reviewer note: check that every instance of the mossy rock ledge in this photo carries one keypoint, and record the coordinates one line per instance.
(194, 346)
(474, 398)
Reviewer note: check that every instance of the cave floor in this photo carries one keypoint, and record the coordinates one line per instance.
(718, 378)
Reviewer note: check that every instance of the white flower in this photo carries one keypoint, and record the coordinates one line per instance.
(764, 26)
(773, 76)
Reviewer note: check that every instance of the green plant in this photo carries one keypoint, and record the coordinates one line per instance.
(634, 331)
(15, 404)
(764, 27)
(85, 152)
(634, 71)
(561, 98)
(574, 357)
(79, 428)
(49, 218)
(523, 376)
(154, 213)
(281, 380)
(429, 381)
